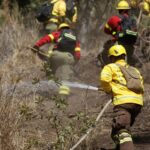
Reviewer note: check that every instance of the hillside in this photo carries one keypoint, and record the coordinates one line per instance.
(32, 114)
(34, 117)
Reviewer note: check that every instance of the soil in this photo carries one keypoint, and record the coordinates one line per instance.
(87, 72)
(36, 125)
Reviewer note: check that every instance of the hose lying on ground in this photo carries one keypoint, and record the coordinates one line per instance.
(91, 128)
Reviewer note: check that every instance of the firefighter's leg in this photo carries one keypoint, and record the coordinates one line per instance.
(125, 140)
(121, 129)
(115, 138)
(64, 70)
(62, 66)
(55, 61)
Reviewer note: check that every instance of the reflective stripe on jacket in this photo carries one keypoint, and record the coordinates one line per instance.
(110, 78)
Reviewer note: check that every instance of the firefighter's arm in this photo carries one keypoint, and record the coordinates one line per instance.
(48, 39)
(107, 29)
(74, 18)
(43, 40)
(77, 53)
(105, 79)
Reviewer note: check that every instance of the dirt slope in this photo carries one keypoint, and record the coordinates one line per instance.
(141, 129)
(35, 119)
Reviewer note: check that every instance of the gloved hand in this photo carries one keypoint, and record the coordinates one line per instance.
(35, 48)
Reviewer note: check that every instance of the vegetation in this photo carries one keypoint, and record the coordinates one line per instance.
(31, 119)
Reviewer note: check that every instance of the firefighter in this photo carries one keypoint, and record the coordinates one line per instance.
(71, 11)
(135, 10)
(145, 7)
(127, 104)
(123, 29)
(65, 53)
(61, 13)
(58, 14)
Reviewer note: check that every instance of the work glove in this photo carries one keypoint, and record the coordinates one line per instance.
(35, 48)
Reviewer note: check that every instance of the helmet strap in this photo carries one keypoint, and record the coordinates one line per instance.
(113, 59)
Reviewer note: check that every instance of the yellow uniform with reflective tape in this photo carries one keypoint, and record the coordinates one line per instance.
(74, 18)
(110, 78)
(59, 10)
(124, 137)
(64, 90)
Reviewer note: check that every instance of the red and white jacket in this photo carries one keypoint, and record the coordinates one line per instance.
(53, 38)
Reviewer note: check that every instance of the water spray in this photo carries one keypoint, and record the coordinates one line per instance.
(80, 85)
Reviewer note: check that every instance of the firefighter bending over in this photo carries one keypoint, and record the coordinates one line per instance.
(65, 53)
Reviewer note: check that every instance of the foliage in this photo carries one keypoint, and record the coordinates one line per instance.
(92, 15)
(33, 120)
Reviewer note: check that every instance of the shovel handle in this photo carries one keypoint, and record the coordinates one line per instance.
(39, 51)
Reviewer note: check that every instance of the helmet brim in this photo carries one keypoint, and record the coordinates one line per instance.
(123, 8)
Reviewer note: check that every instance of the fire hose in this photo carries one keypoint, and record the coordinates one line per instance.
(86, 86)
(91, 128)
(82, 86)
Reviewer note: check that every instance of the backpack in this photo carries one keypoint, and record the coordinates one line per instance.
(133, 78)
(70, 9)
(67, 41)
(127, 35)
(43, 13)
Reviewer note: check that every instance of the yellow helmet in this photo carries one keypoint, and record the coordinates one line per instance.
(148, 1)
(133, 3)
(145, 6)
(117, 50)
(63, 25)
(123, 5)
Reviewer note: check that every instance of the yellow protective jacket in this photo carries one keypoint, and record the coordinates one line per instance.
(59, 10)
(110, 78)
(74, 18)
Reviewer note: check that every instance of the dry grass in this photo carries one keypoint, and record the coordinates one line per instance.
(17, 63)
(32, 120)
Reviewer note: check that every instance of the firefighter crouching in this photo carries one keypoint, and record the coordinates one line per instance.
(65, 53)
(127, 104)
(123, 29)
